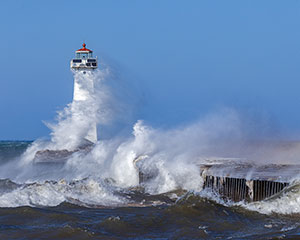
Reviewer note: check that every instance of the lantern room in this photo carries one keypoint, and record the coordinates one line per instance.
(84, 59)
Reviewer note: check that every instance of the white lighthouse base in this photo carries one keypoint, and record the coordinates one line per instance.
(84, 109)
(76, 130)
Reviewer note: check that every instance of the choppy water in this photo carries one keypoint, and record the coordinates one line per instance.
(96, 194)
(96, 208)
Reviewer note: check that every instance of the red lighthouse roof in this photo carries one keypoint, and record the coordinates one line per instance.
(84, 49)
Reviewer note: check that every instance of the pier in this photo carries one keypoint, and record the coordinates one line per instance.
(242, 182)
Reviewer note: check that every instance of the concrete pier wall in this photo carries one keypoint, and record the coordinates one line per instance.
(240, 182)
(239, 189)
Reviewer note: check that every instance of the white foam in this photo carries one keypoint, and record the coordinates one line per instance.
(85, 192)
(78, 120)
(287, 202)
(171, 154)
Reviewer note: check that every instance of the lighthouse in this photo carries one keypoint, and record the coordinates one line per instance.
(78, 131)
(84, 60)
(83, 66)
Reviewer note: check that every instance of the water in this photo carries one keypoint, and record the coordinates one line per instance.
(95, 194)
(198, 219)
(91, 208)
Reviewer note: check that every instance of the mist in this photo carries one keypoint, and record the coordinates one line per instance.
(171, 154)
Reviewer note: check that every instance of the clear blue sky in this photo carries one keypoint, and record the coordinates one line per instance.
(189, 57)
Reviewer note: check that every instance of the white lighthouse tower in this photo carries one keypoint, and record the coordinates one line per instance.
(83, 66)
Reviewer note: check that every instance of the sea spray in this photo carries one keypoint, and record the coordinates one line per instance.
(172, 153)
(91, 106)
(113, 164)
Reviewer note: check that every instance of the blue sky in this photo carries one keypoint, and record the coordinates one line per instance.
(188, 58)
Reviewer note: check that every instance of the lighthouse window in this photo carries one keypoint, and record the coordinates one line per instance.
(91, 60)
(76, 60)
(84, 55)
